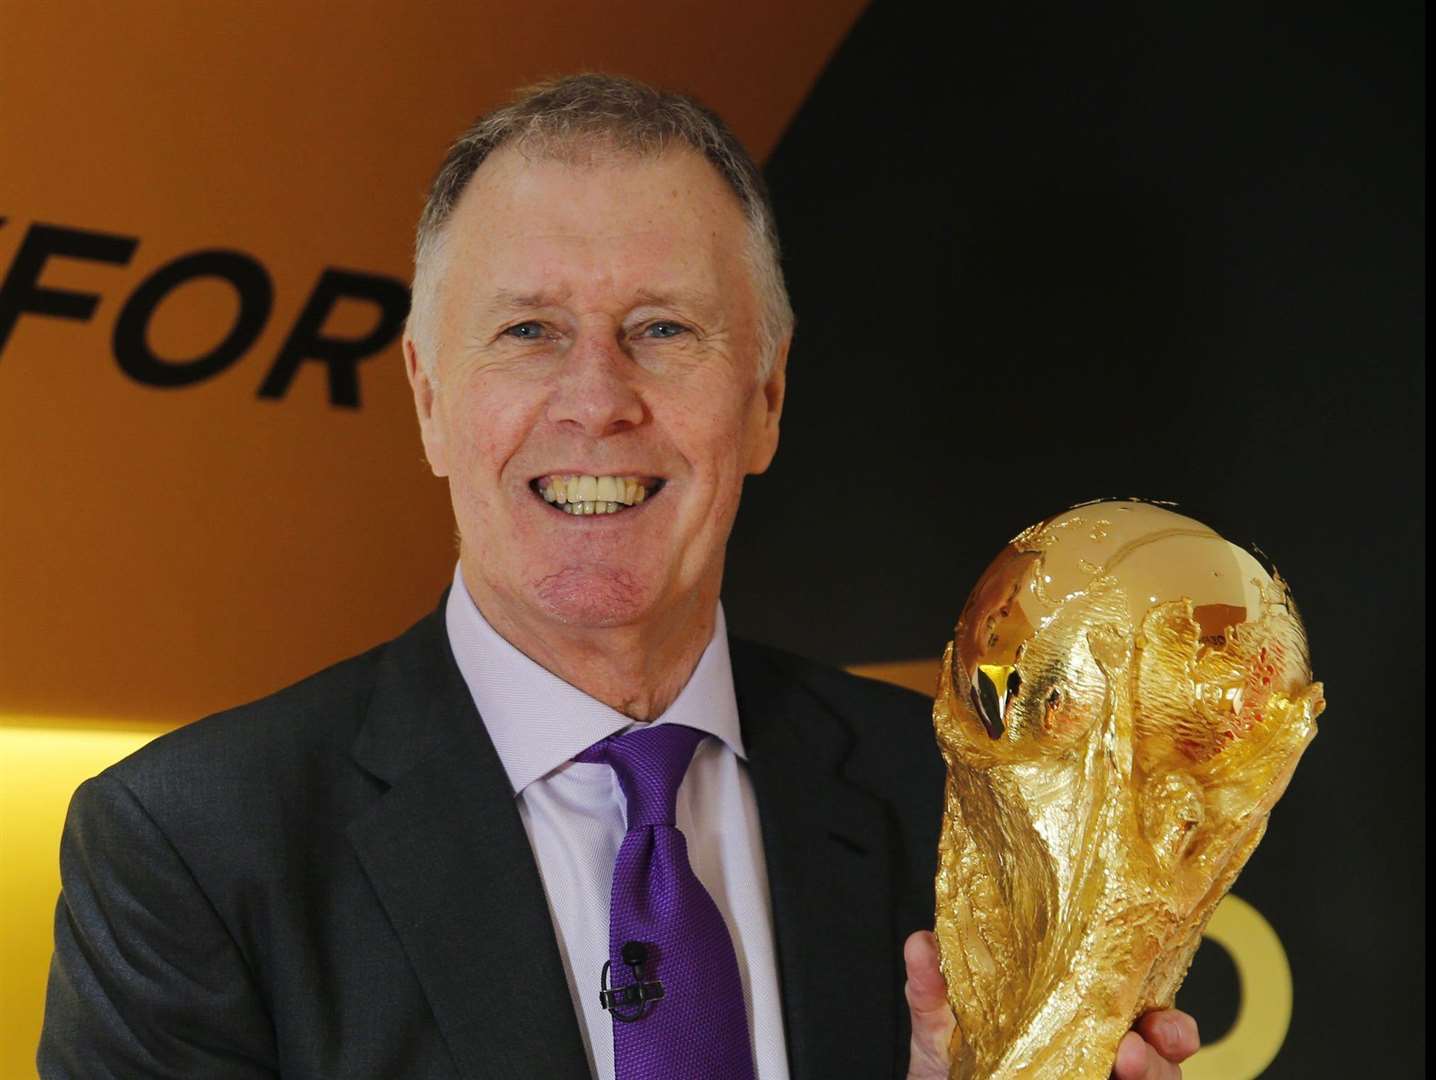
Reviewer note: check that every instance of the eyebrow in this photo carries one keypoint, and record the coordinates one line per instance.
(505, 300)
(658, 299)
(694, 301)
(509, 300)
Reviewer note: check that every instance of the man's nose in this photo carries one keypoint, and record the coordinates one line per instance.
(596, 389)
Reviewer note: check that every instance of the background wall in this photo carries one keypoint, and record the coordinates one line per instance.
(1047, 255)
(186, 526)
(211, 482)
(1106, 251)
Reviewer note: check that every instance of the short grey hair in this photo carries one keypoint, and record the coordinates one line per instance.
(564, 117)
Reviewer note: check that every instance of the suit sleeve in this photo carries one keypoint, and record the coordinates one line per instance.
(146, 981)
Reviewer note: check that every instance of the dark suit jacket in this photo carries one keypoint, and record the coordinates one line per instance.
(334, 882)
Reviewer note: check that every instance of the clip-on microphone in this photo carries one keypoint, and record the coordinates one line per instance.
(639, 993)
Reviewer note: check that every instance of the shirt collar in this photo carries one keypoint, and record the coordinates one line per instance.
(538, 722)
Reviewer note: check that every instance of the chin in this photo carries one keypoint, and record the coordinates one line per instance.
(593, 596)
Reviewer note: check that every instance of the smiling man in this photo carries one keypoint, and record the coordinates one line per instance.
(592, 375)
(563, 827)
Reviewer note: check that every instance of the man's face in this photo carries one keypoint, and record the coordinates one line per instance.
(596, 321)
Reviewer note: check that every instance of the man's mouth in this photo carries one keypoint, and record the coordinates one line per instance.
(588, 494)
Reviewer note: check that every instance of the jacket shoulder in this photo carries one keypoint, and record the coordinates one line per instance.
(307, 726)
(321, 708)
(863, 699)
(888, 727)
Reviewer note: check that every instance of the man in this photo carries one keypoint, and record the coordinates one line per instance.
(428, 860)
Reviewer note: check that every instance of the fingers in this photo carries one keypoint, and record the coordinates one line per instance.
(1137, 1060)
(925, 987)
(1151, 1051)
(1171, 1032)
(932, 1020)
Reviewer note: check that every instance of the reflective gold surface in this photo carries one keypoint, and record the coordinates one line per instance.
(1124, 700)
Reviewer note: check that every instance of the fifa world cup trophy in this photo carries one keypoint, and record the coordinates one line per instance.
(1124, 700)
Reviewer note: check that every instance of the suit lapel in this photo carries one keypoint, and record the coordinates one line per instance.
(826, 846)
(447, 856)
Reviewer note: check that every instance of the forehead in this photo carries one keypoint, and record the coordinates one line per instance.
(648, 223)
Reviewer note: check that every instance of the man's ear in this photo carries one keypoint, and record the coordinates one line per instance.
(775, 385)
(431, 426)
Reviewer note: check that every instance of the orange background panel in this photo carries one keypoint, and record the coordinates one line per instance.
(919, 675)
(168, 552)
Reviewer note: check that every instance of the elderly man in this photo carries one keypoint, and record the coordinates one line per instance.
(564, 826)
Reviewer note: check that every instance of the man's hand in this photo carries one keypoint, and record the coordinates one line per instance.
(1160, 1042)
(932, 1019)
(1151, 1051)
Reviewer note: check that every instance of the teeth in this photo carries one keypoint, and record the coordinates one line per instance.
(593, 506)
(593, 494)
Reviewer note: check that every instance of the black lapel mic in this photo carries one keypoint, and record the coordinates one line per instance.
(619, 999)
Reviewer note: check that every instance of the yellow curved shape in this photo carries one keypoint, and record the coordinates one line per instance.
(1265, 1012)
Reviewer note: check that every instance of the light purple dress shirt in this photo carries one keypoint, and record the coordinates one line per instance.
(574, 815)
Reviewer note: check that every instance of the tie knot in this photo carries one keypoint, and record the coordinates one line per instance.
(649, 763)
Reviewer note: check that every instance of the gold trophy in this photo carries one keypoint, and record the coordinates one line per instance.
(1124, 700)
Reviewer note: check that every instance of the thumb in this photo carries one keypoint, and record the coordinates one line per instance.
(932, 1020)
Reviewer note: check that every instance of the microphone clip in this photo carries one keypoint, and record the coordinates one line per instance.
(620, 1000)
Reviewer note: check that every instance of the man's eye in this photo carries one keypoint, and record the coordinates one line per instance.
(664, 330)
(526, 331)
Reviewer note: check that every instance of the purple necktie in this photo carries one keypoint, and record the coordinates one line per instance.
(698, 1030)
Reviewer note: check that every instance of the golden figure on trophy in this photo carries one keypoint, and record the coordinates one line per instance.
(1125, 698)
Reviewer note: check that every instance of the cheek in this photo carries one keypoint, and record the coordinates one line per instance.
(484, 433)
(722, 482)
(717, 428)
